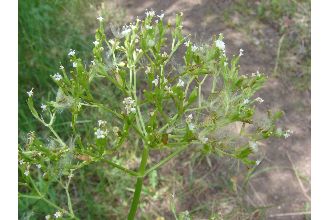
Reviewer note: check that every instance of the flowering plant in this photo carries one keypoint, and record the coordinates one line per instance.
(165, 106)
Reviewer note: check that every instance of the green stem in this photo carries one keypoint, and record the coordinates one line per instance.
(130, 172)
(68, 195)
(165, 160)
(56, 135)
(138, 185)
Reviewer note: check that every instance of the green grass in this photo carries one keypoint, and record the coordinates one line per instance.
(47, 30)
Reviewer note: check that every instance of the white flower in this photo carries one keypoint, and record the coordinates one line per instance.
(164, 54)
(57, 77)
(129, 105)
(111, 41)
(148, 27)
(155, 81)
(21, 162)
(128, 101)
(189, 118)
(72, 52)
(258, 74)
(74, 64)
(150, 13)
(187, 43)
(30, 93)
(260, 100)
(71, 175)
(191, 127)
(254, 146)
(93, 62)
(100, 133)
(287, 133)
(96, 43)
(58, 214)
(220, 44)
(43, 107)
(100, 18)
(203, 139)
(160, 16)
(180, 83)
(126, 30)
(47, 217)
(62, 67)
(253, 74)
(246, 101)
(133, 27)
(101, 122)
(168, 89)
(194, 48)
(258, 162)
(241, 52)
(26, 173)
(225, 63)
(115, 130)
(39, 166)
(133, 110)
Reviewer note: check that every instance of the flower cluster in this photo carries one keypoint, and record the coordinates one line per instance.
(287, 133)
(180, 83)
(130, 105)
(30, 93)
(126, 30)
(150, 13)
(220, 44)
(71, 52)
(101, 132)
(260, 100)
(189, 119)
(57, 77)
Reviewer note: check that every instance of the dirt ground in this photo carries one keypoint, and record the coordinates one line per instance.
(285, 187)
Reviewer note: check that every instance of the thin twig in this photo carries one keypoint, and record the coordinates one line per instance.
(290, 214)
(278, 54)
(297, 176)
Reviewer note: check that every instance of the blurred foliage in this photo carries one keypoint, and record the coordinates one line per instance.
(47, 30)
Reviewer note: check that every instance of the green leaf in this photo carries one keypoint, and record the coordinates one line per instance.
(192, 97)
(243, 153)
(153, 179)
(32, 109)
